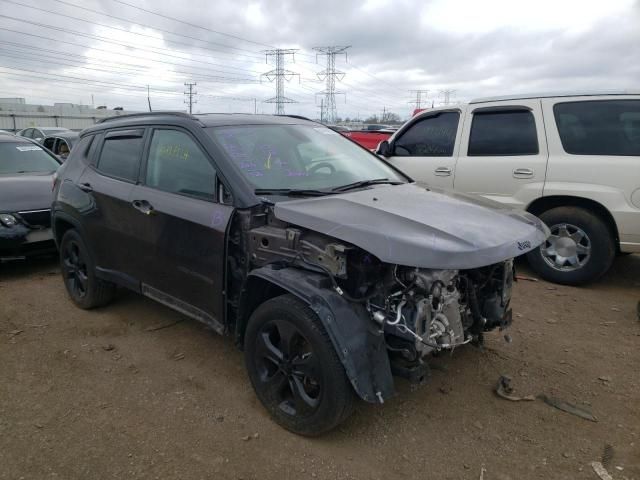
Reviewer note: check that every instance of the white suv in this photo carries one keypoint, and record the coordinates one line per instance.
(573, 160)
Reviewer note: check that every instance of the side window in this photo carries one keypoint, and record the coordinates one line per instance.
(48, 143)
(433, 136)
(82, 147)
(28, 133)
(63, 148)
(177, 165)
(37, 134)
(597, 127)
(498, 133)
(120, 156)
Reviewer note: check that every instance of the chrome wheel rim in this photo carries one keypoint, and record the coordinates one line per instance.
(568, 248)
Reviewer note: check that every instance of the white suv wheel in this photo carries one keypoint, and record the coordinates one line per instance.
(568, 248)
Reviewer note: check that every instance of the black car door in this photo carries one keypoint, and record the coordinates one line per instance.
(180, 232)
(109, 182)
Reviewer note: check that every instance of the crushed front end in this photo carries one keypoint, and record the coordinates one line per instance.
(415, 310)
(423, 311)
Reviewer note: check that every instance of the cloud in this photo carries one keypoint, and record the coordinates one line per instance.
(477, 48)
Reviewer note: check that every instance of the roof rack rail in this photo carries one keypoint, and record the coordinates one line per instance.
(299, 117)
(146, 114)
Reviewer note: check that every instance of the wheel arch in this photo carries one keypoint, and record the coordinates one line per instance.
(256, 291)
(542, 204)
(358, 342)
(61, 224)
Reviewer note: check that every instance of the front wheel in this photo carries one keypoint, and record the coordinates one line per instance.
(580, 249)
(294, 368)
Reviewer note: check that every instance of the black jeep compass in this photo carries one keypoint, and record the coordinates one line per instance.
(331, 269)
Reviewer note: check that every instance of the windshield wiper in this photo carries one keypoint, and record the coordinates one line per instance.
(365, 183)
(291, 192)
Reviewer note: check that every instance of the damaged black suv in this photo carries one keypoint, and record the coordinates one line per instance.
(330, 268)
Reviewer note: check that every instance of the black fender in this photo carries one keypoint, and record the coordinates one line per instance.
(358, 341)
(65, 217)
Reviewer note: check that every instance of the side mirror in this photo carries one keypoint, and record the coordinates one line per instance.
(384, 149)
(39, 140)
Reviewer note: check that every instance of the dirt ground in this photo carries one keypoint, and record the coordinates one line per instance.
(100, 394)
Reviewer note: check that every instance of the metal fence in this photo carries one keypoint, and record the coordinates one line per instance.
(14, 121)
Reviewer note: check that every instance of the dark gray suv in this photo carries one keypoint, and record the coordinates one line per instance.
(329, 267)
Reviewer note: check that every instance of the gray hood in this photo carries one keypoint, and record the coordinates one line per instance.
(417, 226)
(22, 192)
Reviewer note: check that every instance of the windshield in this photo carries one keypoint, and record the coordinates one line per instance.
(299, 157)
(20, 157)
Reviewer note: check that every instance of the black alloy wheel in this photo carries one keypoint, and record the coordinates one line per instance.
(288, 368)
(294, 368)
(74, 269)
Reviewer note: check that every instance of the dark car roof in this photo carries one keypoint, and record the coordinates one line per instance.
(4, 138)
(221, 119)
(66, 135)
(204, 120)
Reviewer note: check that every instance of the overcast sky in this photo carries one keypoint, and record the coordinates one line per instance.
(69, 50)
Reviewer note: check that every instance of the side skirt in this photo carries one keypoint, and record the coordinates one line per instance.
(182, 307)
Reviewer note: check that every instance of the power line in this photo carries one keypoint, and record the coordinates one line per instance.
(81, 65)
(111, 52)
(154, 50)
(330, 74)
(192, 24)
(72, 79)
(279, 74)
(190, 94)
(67, 16)
(372, 75)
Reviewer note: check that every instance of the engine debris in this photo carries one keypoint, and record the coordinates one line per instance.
(505, 390)
(567, 407)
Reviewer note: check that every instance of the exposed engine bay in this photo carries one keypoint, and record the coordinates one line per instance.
(419, 310)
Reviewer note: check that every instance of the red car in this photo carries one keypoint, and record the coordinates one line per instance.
(368, 138)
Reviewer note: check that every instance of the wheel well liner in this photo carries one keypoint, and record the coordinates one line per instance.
(543, 204)
(359, 343)
(60, 226)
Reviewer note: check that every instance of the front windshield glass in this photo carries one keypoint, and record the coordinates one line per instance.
(20, 157)
(299, 157)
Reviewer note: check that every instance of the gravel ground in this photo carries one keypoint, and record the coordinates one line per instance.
(100, 394)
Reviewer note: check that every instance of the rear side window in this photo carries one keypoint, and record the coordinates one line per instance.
(597, 127)
(120, 157)
(82, 148)
(433, 136)
(500, 133)
(176, 164)
(48, 143)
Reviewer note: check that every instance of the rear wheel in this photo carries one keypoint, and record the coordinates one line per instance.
(78, 271)
(580, 249)
(294, 368)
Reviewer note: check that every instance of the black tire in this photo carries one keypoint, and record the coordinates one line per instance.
(308, 391)
(597, 246)
(78, 272)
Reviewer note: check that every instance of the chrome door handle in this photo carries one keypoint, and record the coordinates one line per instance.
(143, 206)
(443, 171)
(522, 173)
